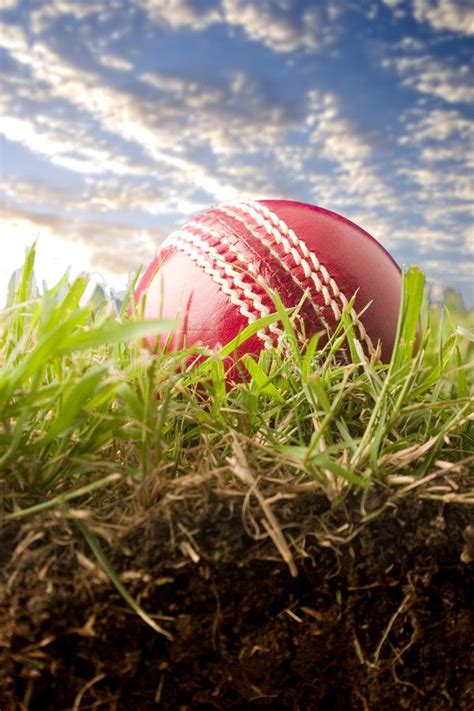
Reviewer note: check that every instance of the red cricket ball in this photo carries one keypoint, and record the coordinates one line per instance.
(216, 274)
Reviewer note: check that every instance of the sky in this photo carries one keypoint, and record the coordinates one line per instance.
(120, 119)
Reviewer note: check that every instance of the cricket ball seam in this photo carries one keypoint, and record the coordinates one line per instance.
(225, 277)
(191, 234)
(269, 218)
(234, 211)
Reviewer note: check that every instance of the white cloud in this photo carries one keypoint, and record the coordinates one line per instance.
(113, 248)
(438, 125)
(438, 154)
(63, 147)
(8, 5)
(451, 273)
(429, 76)
(453, 15)
(183, 91)
(443, 135)
(233, 123)
(181, 14)
(468, 243)
(98, 195)
(47, 12)
(276, 24)
(428, 239)
(411, 44)
(339, 141)
(112, 61)
(397, 7)
(25, 191)
(272, 25)
(116, 112)
(334, 138)
(441, 15)
(440, 189)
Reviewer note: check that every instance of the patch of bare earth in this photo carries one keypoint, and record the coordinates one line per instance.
(377, 616)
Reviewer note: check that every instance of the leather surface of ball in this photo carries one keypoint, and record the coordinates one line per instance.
(216, 275)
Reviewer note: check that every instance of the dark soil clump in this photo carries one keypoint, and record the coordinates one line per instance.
(377, 618)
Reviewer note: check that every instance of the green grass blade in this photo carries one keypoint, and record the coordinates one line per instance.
(74, 401)
(408, 320)
(61, 499)
(261, 379)
(115, 580)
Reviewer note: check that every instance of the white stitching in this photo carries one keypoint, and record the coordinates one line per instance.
(234, 210)
(191, 232)
(205, 230)
(277, 222)
(229, 281)
(250, 208)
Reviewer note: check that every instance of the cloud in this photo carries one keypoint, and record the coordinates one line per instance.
(95, 195)
(109, 246)
(8, 5)
(48, 12)
(427, 75)
(451, 185)
(396, 6)
(181, 14)
(111, 61)
(116, 113)
(448, 273)
(58, 142)
(446, 136)
(468, 242)
(271, 24)
(182, 91)
(193, 138)
(410, 44)
(442, 154)
(339, 141)
(22, 191)
(453, 15)
(438, 125)
(175, 119)
(332, 137)
(276, 24)
(434, 171)
(429, 239)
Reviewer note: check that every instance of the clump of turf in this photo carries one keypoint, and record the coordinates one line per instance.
(291, 541)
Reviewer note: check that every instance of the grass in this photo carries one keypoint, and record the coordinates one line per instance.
(87, 413)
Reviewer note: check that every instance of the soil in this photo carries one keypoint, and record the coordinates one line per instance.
(378, 616)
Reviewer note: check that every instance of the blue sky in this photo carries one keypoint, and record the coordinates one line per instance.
(122, 118)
